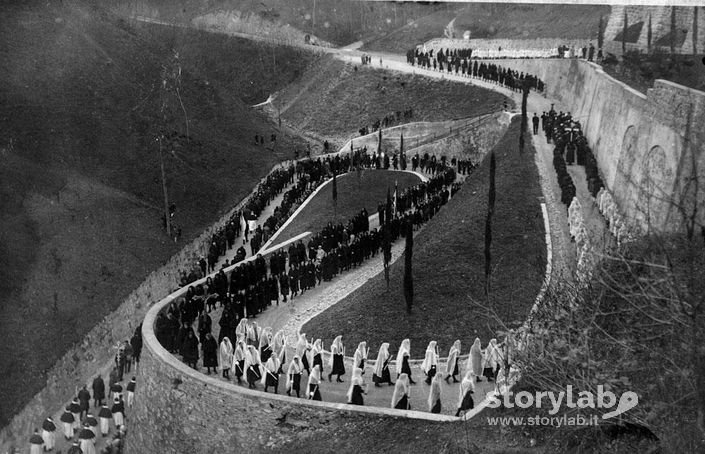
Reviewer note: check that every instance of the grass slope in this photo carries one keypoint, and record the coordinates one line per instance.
(80, 186)
(339, 22)
(499, 21)
(354, 193)
(449, 266)
(341, 100)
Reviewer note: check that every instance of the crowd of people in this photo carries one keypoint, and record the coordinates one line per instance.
(391, 119)
(587, 52)
(82, 423)
(256, 284)
(260, 357)
(571, 148)
(458, 62)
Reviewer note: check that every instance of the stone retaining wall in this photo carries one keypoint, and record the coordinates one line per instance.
(648, 146)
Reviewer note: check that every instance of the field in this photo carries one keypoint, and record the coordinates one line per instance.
(80, 190)
(449, 267)
(354, 193)
(338, 100)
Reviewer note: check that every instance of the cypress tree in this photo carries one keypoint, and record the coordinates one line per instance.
(600, 33)
(673, 30)
(624, 32)
(408, 276)
(488, 223)
(649, 36)
(695, 30)
(387, 238)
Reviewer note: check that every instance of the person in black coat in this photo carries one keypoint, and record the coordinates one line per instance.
(84, 399)
(189, 349)
(98, 391)
(210, 353)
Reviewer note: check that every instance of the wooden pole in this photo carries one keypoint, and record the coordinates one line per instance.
(167, 217)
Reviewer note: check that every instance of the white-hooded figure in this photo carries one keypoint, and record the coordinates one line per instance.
(430, 361)
(241, 329)
(381, 373)
(239, 357)
(314, 383)
(401, 396)
(452, 368)
(293, 376)
(253, 365)
(475, 359)
(434, 395)
(317, 355)
(402, 364)
(337, 359)
(67, 420)
(361, 356)
(225, 357)
(265, 344)
(279, 348)
(356, 389)
(302, 348)
(253, 333)
(467, 388)
(270, 374)
(493, 356)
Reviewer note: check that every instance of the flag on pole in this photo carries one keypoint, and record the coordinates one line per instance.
(396, 188)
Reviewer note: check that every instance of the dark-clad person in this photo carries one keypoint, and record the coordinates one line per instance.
(314, 383)
(189, 349)
(434, 395)
(84, 400)
(337, 355)
(210, 353)
(356, 391)
(92, 422)
(293, 376)
(467, 388)
(400, 398)
(98, 391)
(75, 408)
(381, 373)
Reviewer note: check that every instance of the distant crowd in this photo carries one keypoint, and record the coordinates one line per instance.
(458, 62)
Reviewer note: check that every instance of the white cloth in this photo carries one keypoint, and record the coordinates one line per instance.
(226, 354)
(49, 439)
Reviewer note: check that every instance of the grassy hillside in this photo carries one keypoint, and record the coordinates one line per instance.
(355, 192)
(80, 185)
(498, 20)
(339, 22)
(448, 266)
(337, 100)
